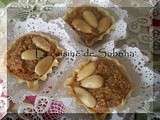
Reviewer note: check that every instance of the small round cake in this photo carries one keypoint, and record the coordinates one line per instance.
(92, 24)
(99, 84)
(32, 57)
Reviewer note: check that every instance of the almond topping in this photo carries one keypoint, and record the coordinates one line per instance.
(29, 55)
(86, 71)
(44, 65)
(81, 25)
(85, 97)
(40, 54)
(41, 43)
(94, 81)
(90, 18)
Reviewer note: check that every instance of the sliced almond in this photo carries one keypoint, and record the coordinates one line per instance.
(28, 55)
(104, 24)
(81, 25)
(85, 97)
(41, 43)
(44, 65)
(86, 71)
(55, 62)
(40, 54)
(44, 77)
(90, 18)
(94, 81)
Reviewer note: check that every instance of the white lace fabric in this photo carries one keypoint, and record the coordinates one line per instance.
(3, 76)
(137, 70)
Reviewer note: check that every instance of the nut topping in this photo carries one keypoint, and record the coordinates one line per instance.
(94, 81)
(32, 57)
(81, 25)
(28, 55)
(86, 71)
(44, 65)
(90, 18)
(41, 43)
(85, 97)
(91, 23)
(104, 24)
(40, 54)
(106, 88)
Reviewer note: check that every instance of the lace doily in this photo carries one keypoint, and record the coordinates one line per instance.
(3, 76)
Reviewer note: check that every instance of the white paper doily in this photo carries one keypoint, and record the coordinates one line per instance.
(3, 75)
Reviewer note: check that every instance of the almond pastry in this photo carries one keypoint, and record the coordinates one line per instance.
(102, 87)
(43, 65)
(41, 43)
(86, 71)
(81, 25)
(90, 18)
(29, 55)
(32, 57)
(93, 81)
(85, 97)
(92, 24)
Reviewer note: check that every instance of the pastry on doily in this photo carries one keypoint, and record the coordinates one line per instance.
(32, 57)
(100, 84)
(92, 24)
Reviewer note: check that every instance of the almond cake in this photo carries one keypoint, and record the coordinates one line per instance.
(32, 57)
(92, 24)
(99, 84)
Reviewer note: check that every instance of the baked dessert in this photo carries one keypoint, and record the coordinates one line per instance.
(99, 84)
(91, 23)
(32, 57)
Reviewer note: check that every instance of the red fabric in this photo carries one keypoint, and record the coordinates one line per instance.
(30, 99)
(156, 23)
